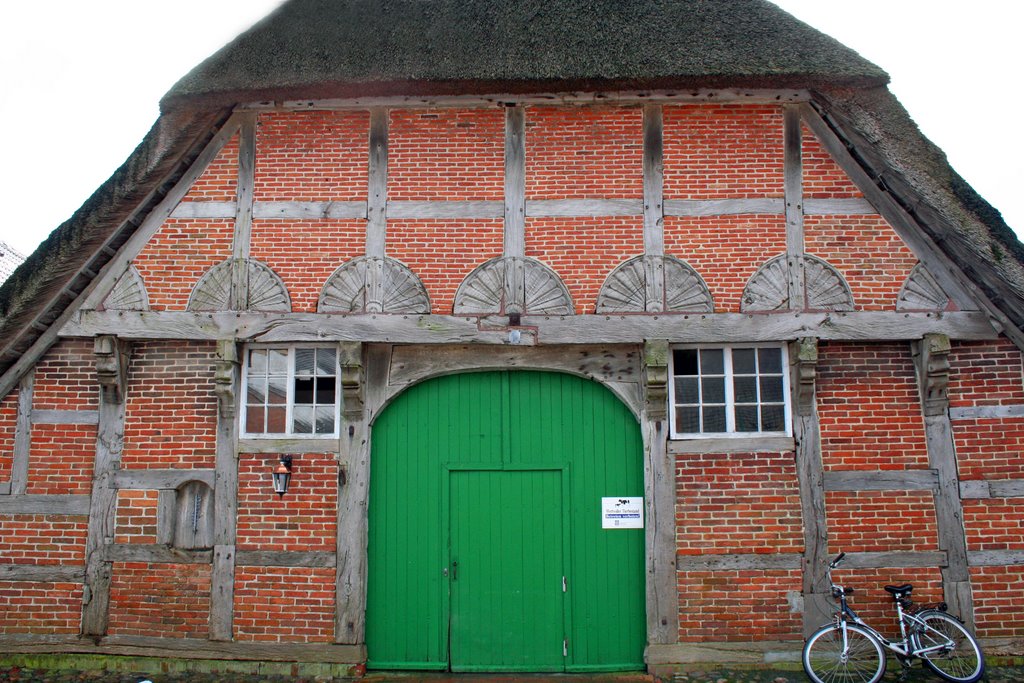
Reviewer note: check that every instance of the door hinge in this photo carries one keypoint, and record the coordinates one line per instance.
(563, 584)
(565, 647)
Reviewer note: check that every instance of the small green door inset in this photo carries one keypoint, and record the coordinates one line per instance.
(506, 571)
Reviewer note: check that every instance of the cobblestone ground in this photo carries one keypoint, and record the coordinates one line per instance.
(916, 675)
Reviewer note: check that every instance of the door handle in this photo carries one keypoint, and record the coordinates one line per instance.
(455, 571)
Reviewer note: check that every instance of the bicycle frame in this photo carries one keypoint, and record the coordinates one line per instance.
(902, 647)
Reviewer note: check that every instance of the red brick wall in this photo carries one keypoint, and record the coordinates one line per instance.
(871, 601)
(985, 373)
(726, 250)
(722, 151)
(305, 519)
(315, 156)
(136, 516)
(737, 503)
(997, 592)
(738, 606)
(66, 378)
(43, 539)
(446, 154)
(584, 153)
(583, 251)
(881, 521)
(867, 251)
(305, 253)
(160, 600)
(869, 408)
(442, 252)
(823, 179)
(40, 607)
(178, 255)
(171, 410)
(8, 420)
(219, 182)
(284, 604)
(61, 459)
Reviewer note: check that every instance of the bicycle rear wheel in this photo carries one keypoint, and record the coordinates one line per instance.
(825, 660)
(960, 659)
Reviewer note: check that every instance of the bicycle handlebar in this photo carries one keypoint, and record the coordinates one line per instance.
(835, 563)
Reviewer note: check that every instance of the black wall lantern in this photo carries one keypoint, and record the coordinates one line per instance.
(282, 475)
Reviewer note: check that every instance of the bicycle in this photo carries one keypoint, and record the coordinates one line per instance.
(848, 650)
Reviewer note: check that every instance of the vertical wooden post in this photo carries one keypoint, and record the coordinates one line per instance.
(22, 436)
(931, 357)
(238, 296)
(353, 488)
(515, 209)
(660, 492)
(376, 210)
(225, 494)
(654, 214)
(793, 180)
(810, 477)
(112, 356)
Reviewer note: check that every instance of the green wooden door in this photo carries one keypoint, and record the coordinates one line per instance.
(448, 432)
(506, 571)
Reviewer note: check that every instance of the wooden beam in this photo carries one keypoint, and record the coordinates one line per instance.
(36, 573)
(738, 562)
(45, 504)
(271, 558)
(444, 209)
(541, 330)
(838, 207)
(580, 208)
(654, 208)
(992, 488)
(155, 554)
(238, 295)
(793, 175)
(22, 436)
(515, 182)
(996, 558)
(757, 444)
(881, 480)
(894, 559)
(225, 494)
(724, 207)
(65, 417)
(103, 502)
(987, 412)
(146, 479)
(810, 479)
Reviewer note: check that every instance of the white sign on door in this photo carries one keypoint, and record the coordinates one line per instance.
(622, 513)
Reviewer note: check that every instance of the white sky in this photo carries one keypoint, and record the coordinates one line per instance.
(80, 84)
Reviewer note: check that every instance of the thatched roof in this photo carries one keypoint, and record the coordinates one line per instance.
(343, 48)
(316, 49)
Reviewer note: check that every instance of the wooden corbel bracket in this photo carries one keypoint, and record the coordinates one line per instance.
(352, 381)
(225, 377)
(805, 373)
(933, 373)
(656, 378)
(112, 356)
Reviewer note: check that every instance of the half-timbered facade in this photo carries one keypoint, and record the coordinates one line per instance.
(577, 358)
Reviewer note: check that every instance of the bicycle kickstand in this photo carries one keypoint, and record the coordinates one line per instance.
(905, 664)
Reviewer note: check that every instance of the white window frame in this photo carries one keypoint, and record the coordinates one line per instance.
(290, 393)
(730, 401)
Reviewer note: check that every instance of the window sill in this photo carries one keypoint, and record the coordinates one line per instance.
(274, 443)
(726, 444)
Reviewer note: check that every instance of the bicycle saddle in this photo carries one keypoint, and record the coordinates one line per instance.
(903, 589)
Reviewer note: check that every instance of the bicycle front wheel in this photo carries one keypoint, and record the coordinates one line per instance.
(827, 659)
(954, 653)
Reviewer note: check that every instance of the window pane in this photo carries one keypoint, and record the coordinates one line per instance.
(712, 361)
(257, 362)
(257, 392)
(325, 420)
(684, 361)
(744, 362)
(770, 360)
(277, 390)
(276, 418)
(771, 389)
(304, 361)
(714, 419)
(302, 420)
(687, 420)
(278, 361)
(686, 389)
(713, 390)
(325, 362)
(746, 418)
(745, 389)
(303, 391)
(254, 420)
(773, 418)
(325, 390)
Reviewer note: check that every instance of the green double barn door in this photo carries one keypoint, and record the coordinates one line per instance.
(486, 548)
